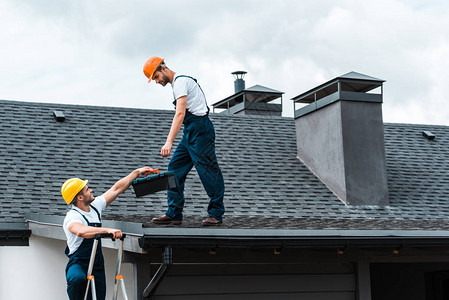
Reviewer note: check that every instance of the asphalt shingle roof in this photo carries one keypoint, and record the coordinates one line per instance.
(266, 185)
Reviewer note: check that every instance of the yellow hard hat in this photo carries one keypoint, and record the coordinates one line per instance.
(71, 187)
(151, 65)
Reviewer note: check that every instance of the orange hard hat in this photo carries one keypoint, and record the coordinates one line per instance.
(151, 65)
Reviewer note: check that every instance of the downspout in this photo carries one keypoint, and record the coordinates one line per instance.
(167, 258)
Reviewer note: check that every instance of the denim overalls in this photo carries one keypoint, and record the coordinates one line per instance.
(196, 148)
(76, 270)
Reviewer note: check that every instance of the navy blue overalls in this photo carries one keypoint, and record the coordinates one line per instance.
(196, 148)
(76, 270)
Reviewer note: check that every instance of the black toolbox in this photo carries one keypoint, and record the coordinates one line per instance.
(154, 183)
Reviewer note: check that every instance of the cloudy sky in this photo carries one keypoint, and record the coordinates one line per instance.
(92, 51)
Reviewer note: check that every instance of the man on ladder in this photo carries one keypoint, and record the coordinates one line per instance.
(196, 148)
(81, 224)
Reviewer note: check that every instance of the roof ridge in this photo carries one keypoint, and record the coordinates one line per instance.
(51, 105)
(416, 124)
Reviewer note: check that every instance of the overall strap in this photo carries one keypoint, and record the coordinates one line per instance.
(198, 86)
(82, 215)
(99, 217)
(91, 206)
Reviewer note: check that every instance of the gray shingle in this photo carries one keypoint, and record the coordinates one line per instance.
(264, 179)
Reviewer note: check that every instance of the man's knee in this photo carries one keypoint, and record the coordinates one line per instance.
(77, 280)
(76, 277)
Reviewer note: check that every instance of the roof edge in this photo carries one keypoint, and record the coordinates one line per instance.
(51, 105)
(13, 226)
(149, 241)
(139, 229)
(14, 234)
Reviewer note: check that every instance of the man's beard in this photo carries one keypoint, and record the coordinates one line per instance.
(164, 80)
(89, 201)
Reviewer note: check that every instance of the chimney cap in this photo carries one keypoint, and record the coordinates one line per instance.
(352, 81)
(256, 93)
(239, 74)
(359, 76)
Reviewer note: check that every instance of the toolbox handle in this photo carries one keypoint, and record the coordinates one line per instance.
(154, 171)
(108, 235)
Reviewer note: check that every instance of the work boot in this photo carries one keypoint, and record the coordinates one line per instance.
(211, 221)
(164, 219)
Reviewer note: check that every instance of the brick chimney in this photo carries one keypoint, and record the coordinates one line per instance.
(340, 137)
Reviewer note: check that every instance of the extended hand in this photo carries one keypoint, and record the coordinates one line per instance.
(165, 150)
(144, 171)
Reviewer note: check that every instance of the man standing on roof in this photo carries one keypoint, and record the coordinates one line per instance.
(81, 224)
(196, 148)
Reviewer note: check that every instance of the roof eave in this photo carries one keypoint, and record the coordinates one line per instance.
(302, 241)
(142, 238)
(14, 234)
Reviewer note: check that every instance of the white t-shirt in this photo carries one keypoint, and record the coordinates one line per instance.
(196, 101)
(73, 215)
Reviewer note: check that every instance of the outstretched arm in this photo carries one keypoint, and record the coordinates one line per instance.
(121, 185)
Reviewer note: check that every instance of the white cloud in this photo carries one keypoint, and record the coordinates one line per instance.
(92, 52)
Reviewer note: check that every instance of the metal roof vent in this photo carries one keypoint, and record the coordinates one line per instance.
(428, 135)
(59, 115)
(239, 83)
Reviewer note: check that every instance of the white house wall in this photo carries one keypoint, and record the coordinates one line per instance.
(38, 271)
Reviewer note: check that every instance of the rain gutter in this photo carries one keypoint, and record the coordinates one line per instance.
(141, 238)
